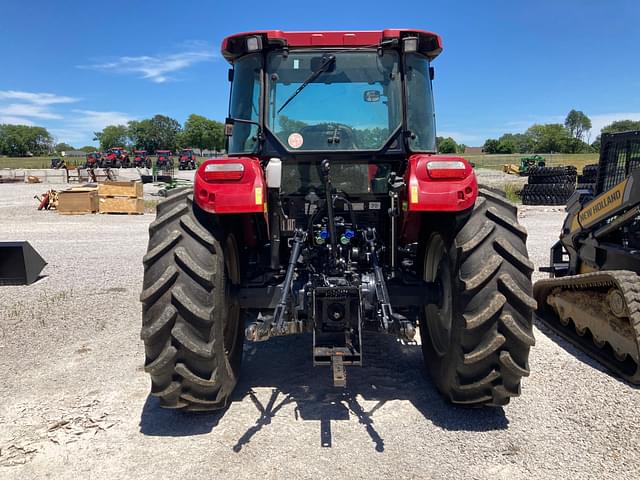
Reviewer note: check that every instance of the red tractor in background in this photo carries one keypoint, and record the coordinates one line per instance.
(116, 157)
(93, 160)
(187, 159)
(164, 160)
(141, 159)
(332, 214)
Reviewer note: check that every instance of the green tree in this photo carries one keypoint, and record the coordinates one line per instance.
(19, 140)
(578, 124)
(621, 126)
(373, 138)
(113, 136)
(506, 147)
(446, 145)
(157, 133)
(203, 133)
(289, 126)
(521, 142)
(616, 127)
(63, 147)
(549, 138)
(139, 132)
(88, 149)
(491, 146)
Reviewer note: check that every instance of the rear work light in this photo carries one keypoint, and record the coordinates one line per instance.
(447, 169)
(223, 171)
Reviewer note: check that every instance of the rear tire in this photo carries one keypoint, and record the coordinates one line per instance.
(476, 342)
(191, 327)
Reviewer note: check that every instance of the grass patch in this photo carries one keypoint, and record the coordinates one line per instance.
(578, 160)
(512, 191)
(496, 162)
(30, 162)
(150, 205)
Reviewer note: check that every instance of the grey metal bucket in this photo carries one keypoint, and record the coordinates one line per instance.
(20, 264)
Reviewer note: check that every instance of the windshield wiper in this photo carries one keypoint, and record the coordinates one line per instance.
(328, 60)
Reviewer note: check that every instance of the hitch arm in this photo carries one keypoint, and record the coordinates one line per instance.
(381, 285)
(391, 322)
(263, 331)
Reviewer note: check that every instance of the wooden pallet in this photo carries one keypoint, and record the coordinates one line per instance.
(127, 205)
(132, 189)
(78, 201)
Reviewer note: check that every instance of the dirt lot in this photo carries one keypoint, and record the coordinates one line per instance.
(73, 400)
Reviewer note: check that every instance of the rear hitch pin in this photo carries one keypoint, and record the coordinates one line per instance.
(339, 372)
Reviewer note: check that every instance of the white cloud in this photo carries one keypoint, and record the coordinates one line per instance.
(36, 98)
(156, 67)
(522, 125)
(96, 121)
(14, 120)
(32, 105)
(81, 125)
(29, 111)
(76, 126)
(462, 137)
(599, 121)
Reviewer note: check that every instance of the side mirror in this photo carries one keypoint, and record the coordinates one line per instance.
(228, 127)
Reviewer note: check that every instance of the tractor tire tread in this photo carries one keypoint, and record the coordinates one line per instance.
(492, 330)
(183, 301)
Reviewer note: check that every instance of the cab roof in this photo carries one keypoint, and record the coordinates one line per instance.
(233, 46)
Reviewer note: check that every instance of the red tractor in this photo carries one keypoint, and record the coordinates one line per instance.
(93, 160)
(333, 214)
(116, 157)
(141, 159)
(187, 159)
(164, 160)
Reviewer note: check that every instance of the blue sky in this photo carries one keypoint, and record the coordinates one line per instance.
(76, 66)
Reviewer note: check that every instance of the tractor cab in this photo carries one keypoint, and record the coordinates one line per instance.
(164, 160)
(306, 95)
(116, 157)
(141, 159)
(187, 159)
(93, 160)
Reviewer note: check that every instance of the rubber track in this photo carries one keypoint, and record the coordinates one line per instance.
(557, 179)
(627, 282)
(552, 171)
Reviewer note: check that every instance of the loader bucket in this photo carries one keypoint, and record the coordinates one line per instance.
(20, 264)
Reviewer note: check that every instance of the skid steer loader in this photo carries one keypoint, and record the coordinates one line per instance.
(593, 297)
(332, 215)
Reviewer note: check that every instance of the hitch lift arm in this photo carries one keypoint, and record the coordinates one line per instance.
(274, 325)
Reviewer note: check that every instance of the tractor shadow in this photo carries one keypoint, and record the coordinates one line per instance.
(392, 371)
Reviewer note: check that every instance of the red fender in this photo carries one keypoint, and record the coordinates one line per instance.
(230, 185)
(447, 185)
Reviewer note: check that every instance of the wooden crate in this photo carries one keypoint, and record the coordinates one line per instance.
(121, 205)
(132, 189)
(78, 201)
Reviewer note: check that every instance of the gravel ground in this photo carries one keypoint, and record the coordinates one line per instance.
(73, 401)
